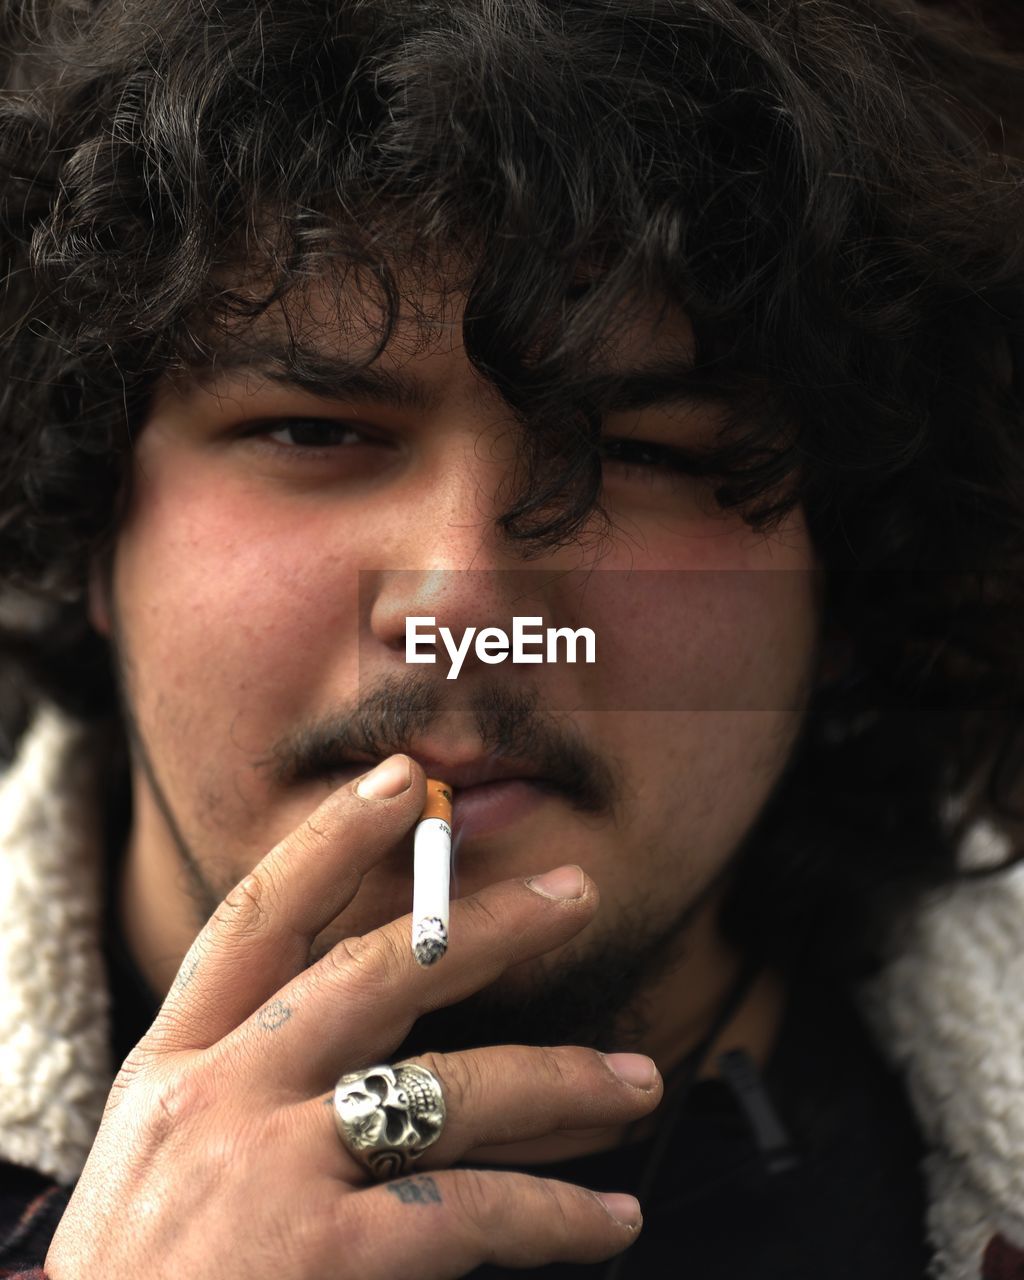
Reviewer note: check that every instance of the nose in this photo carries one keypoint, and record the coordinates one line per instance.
(449, 560)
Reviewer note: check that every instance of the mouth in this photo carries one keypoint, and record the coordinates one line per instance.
(487, 807)
(489, 793)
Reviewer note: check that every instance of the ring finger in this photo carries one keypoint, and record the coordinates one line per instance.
(505, 1094)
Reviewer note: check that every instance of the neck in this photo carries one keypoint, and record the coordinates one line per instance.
(159, 909)
(711, 968)
(699, 985)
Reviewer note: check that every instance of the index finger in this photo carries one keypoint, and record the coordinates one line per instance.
(258, 938)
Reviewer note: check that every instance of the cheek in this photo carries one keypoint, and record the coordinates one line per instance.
(727, 623)
(230, 608)
(723, 653)
(696, 783)
(705, 642)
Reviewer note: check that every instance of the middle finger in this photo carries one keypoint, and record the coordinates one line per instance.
(359, 1001)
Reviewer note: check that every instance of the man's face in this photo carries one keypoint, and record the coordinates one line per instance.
(277, 541)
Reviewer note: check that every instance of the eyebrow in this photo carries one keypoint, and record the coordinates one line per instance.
(329, 376)
(655, 385)
(324, 375)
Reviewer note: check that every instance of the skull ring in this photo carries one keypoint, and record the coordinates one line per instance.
(388, 1116)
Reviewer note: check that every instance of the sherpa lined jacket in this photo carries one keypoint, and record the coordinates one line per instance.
(948, 1013)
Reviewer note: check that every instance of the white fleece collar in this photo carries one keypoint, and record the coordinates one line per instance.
(55, 1070)
(949, 1011)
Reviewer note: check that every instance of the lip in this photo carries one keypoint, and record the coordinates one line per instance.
(487, 807)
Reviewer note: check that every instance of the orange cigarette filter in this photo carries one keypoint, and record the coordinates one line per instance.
(439, 801)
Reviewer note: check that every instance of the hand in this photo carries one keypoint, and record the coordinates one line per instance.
(217, 1156)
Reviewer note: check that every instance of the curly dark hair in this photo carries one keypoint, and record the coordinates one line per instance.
(827, 188)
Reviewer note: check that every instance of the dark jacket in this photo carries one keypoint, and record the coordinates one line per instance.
(945, 1019)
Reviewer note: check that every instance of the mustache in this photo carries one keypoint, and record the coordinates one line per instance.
(509, 724)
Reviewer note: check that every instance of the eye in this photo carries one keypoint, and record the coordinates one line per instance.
(309, 433)
(633, 452)
(649, 462)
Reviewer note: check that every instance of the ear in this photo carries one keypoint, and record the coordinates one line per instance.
(100, 575)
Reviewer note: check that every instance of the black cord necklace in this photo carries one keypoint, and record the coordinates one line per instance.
(678, 1084)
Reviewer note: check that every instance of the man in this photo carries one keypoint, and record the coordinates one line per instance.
(693, 324)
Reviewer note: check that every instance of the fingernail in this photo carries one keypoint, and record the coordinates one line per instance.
(563, 882)
(635, 1068)
(390, 778)
(623, 1208)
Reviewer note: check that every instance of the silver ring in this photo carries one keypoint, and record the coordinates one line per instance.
(388, 1116)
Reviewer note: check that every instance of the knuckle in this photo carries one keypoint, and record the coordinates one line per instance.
(340, 1219)
(176, 1103)
(372, 961)
(246, 909)
(567, 1067)
(228, 1148)
(132, 1069)
(476, 1204)
(557, 1204)
(341, 958)
(173, 1029)
(126, 1080)
(461, 1078)
(183, 1111)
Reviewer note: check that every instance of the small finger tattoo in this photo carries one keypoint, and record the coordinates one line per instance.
(187, 971)
(418, 1190)
(273, 1015)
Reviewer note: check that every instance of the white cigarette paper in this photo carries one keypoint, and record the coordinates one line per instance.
(431, 875)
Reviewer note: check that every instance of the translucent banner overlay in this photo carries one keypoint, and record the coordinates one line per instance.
(686, 639)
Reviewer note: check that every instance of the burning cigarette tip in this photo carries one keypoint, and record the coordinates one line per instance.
(430, 941)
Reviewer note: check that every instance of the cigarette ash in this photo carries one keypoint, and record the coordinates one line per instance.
(430, 941)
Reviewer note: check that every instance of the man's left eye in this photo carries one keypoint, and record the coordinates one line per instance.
(644, 455)
(639, 452)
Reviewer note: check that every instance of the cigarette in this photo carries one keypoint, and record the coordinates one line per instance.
(431, 875)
